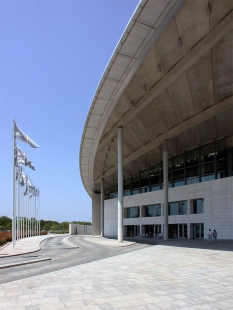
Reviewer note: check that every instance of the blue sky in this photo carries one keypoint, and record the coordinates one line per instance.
(52, 56)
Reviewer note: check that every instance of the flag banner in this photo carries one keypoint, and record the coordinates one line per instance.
(21, 159)
(36, 192)
(22, 180)
(29, 187)
(26, 190)
(20, 135)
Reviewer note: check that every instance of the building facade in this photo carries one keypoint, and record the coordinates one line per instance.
(157, 148)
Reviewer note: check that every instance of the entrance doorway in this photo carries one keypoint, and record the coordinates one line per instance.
(198, 231)
(133, 230)
(177, 231)
(151, 231)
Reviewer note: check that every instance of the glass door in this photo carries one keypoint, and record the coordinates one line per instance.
(198, 231)
(182, 231)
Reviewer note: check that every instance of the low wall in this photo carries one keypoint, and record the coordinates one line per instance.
(77, 229)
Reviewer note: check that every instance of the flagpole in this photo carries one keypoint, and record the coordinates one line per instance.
(21, 211)
(39, 210)
(30, 210)
(18, 227)
(26, 213)
(35, 217)
(22, 218)
(29, 213)
(13, 189)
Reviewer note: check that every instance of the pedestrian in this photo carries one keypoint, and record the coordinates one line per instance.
(209, 236)
(215, 236)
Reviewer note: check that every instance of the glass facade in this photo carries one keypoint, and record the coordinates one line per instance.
(132, 230)
(153, 210)
(204, 163)
(198, 206)
(177, 231)
(198, 231)
(177, 208)
(132, 212)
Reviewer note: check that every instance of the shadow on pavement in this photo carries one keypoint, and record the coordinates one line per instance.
(221, 245)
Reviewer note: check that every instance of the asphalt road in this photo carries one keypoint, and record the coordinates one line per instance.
(61, 256)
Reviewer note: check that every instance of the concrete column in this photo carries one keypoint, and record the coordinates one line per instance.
(188, 231)
(165, 186)
(102, 207)
(96, 214)
(189, 206)
(120, 184)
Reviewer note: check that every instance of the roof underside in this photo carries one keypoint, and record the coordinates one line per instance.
(181, 91)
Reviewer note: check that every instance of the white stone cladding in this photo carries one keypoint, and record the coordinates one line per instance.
(77, 229)
(111, 217)
(218, 207)
(96, 219)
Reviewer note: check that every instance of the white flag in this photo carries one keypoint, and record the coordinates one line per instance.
(21, 159)
(20, 135)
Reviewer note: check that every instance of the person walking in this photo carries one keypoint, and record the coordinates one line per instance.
(209, 240)
(215, 236)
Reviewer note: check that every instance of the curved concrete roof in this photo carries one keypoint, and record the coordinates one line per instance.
(145, 27)
(170, 77)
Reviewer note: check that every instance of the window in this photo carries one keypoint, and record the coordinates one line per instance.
(155, 175)
(126, 193)
(127, 184)
(198, 206)
(192, 158)
(112, 195)
(204, 163)
(136, 191)
(178, 208)
(145, 189)
(155, 188)
(178, 176)
(145, 178)
(178, 162)
(153, 210)
(132, 230)
(136, 181)
(132, 212)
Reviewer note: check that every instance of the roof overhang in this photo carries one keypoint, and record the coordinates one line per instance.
(145, 27)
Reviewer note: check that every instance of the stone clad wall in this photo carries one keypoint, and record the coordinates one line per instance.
(96, 219)
(218, 207)
(77, 229)
(110, 218)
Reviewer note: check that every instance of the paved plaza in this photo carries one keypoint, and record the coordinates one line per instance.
(156, 277)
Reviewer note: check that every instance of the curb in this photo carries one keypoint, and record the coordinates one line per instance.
(111, 246)
(28, 252)
(68, 243)
(24, 263)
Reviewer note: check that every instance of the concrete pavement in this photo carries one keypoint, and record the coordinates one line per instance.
(32, 244)
(23, 246)
(108, 242)
(157, 277)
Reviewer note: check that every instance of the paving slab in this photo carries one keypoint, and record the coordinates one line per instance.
(156, 277)
(25, 245)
